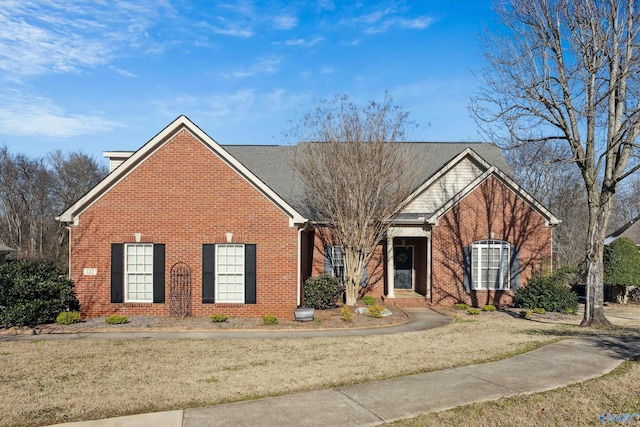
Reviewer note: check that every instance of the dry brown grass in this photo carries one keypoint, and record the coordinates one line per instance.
(579, 404)
(55, 381)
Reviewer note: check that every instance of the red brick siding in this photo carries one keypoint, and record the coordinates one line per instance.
(375, 268)
(492, 207)
(183, 195)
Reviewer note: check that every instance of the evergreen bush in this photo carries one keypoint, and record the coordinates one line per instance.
(34, 292)
(115, 319)
(551, 293)
(322, 292)
(68, 317)
(622, 263)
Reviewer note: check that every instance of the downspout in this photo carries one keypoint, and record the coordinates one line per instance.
(69, 230)
(300, 230)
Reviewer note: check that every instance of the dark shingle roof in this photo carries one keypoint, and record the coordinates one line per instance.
(5, 249)
(630, 230)
(272, 164)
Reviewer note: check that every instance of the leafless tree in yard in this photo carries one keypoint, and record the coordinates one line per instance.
(567, 70)
(33, 191)
(558, 185)
(356, 175)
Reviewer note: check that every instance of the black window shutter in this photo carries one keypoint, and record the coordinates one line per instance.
(208, 273)
(158, 273)
(249, 274)
(328, 262)
(117, 274)
(466, 267)
(515, 268)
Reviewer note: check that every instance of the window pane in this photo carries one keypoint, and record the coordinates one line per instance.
(139, 272)
(490, 264)
(230, 272)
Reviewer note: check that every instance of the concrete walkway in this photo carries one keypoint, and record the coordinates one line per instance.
(546, 368)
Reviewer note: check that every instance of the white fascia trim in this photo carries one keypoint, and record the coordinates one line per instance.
(550, 219)
(71, 214)
(446, 168)
(117, 154)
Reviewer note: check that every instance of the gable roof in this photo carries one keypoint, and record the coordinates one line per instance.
(272, 164)
(268, 168)
(5, 250)
(630, 230)
(138, 157)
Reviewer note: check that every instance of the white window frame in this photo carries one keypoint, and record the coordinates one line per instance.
(333, 250)
(220, 274)
(482, 248)
(128, 270)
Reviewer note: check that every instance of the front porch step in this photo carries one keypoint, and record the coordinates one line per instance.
(409, 299)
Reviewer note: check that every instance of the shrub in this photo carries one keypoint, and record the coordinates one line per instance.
(115, 319)
(525, 314)
(218, 318)
(68, 317)
(539, 310)
(622, 263)
(489, 307)
(269, 319)
(368, 300)
(634, 295)
(346, 314)
(473, 311)
(322, 292)
(460, 306)
(549, 292)
(33, 292)
(375, 310)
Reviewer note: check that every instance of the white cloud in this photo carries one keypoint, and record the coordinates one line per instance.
(27, 115)
(326, 5)
(262, 66)
(62, 36)
(327, 69)
(419, 23)
(304, 42)
(285, 22)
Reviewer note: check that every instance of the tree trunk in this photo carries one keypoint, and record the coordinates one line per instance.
(594, 304)
(353, 271)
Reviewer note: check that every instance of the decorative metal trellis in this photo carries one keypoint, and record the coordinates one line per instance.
(180, 290)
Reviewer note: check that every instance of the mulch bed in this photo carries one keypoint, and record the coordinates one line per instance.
(324, 319)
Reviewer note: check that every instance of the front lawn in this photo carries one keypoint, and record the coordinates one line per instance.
(44, 382)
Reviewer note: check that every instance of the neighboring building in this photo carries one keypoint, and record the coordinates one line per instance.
(630, 230)
(226, 228)
(4, 251)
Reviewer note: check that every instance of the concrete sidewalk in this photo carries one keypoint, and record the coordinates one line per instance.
(549, 367)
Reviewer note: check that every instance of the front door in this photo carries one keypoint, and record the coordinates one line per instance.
(403, 267)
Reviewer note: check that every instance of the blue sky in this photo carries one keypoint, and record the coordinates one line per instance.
(102, 75)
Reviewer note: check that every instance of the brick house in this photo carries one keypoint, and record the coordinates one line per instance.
(224, 229)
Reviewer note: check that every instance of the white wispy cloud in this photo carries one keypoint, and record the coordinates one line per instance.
(63, 36)
(262, 66)
(304, 42)
(27, 115)
(326, 69)
(285, 22)
(419, 23)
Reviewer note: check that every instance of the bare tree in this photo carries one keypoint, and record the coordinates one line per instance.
(356, 175)
(33, 191)
(558, 185)
(567, 70)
